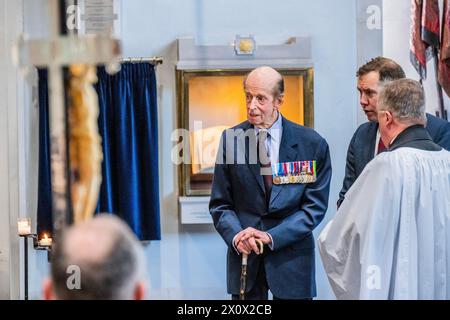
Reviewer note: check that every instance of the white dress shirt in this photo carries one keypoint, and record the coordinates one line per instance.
(377, 142)
(273, 142)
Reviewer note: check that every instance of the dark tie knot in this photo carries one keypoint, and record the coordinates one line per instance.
(263, 135)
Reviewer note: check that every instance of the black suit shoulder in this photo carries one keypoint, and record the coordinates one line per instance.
(242, 126)
(366, 128)
(439, 131)
(363, 139)
(305, 134)
(437, 122)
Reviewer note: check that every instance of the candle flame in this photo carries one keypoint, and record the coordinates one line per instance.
(45, 237)
(45, 241)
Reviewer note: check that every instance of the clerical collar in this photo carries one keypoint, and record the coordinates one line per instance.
(415, 136)
(392, 141)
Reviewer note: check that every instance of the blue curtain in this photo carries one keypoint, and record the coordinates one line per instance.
(44, 216)
(129, 129)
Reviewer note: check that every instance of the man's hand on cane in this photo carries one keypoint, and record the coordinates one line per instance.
(245, 241)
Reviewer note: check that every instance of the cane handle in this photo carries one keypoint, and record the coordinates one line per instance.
(261, 251)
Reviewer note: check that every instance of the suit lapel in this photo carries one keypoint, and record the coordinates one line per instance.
(244, 146)
(369, 153)
(287, 153)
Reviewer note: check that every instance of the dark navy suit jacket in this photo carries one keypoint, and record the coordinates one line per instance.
(362, 148)
(238, 202)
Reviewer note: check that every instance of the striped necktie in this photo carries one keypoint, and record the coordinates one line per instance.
(264, 161)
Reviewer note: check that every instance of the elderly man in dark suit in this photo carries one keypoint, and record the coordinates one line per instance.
(366, 142)
(271, 183)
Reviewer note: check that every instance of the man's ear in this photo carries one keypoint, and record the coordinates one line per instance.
(48, 291)
(389, 119)
(278, 102)
(139, 292)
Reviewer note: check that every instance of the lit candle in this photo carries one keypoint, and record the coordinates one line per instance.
(46, 241)
(24, 226)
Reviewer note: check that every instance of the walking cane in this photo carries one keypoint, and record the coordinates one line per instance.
(244, 269)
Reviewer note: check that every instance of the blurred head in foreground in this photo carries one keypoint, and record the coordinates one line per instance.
(97, 260)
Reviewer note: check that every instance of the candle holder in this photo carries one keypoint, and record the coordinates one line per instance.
(36, 246)
(24, 231)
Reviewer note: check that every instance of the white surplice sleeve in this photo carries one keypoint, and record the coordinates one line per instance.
(358, 257)
(391, 237)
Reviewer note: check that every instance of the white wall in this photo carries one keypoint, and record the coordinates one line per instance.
(396, 34)
(13, 191)
(369, 42)
(189, 263)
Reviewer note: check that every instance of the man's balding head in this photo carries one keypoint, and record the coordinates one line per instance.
(270, 77)
(109, 257)
(264, 94)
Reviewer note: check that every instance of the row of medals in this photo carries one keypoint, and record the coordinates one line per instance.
(303, 178)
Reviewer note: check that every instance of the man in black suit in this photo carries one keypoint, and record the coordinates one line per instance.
(258, 195)
(366, 142)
